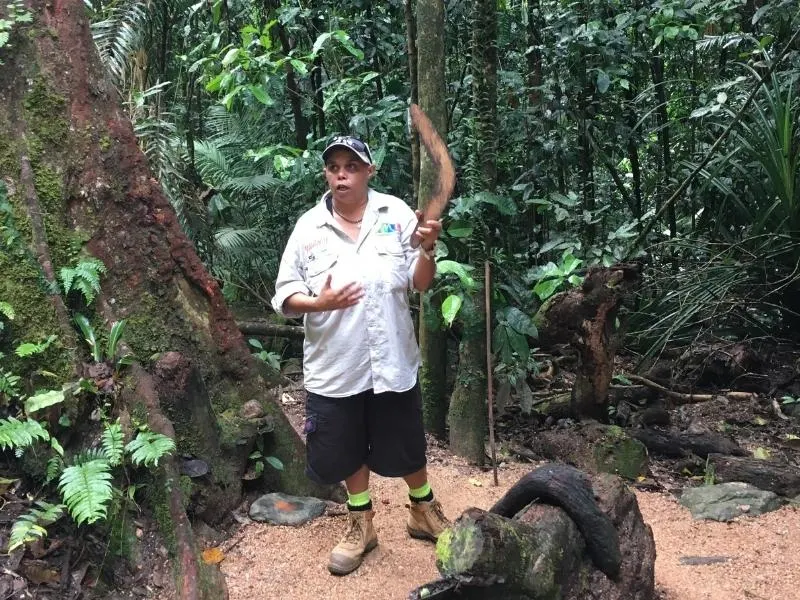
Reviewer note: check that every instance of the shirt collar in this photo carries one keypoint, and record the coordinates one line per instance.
(376, 202)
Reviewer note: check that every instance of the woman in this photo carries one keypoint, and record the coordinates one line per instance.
(348, 268)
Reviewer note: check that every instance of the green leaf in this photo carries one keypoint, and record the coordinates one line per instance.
(88, 335)
(444, 267)
(450, 307)
(460, 229)
(519, 321)
(18, 435)
(7, 310)
(29, 527)
(671, 32)
(230, 56)
(344, 40)
(547, 287)
(260, 94)
(603, 81)
(86, 490)
(43, 400)
(319, 42)
(274, 462)
(113, 443)
(148, 447)
(55, 445)
(114, 337)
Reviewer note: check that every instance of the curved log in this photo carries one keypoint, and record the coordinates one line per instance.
(567, 488)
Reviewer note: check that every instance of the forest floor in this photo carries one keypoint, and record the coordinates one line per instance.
(762, 553)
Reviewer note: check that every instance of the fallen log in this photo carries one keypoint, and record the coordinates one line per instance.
(267, 328)
(565, 486)
(541, 553)
(770, 475)
(681, 444)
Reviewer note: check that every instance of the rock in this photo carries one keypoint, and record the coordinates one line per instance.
(194, 467)
(252, 409)
(726, 501)
(282, 509)
(618, 454)
(703, 560)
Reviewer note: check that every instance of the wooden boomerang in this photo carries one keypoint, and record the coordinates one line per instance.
(445, 173)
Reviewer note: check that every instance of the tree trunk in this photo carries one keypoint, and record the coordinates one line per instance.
(585, 317)
(432, 94)
(771, 475)
(91, 183)
(467, 415)
(411, 36)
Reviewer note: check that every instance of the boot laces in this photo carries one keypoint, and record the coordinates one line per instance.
(354, 534)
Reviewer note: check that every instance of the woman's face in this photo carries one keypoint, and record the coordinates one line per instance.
(347, 176)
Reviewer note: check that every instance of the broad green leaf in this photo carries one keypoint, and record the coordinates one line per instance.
(230, 56)
(274, 462)
(43, 400)
(260, 94)
(319, 42)
(450, 307)
(546, 288)
(671, 32)
(450, 266)
(519, 321)
(603, 81)
(345, 41)
(460, 229)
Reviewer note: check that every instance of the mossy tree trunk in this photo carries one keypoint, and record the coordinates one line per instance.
(79, 185)
(467, 415)
(432, 93)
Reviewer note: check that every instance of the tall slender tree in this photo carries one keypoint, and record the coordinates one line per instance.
(432, 92)
(467, 414)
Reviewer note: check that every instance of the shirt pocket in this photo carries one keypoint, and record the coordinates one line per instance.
(392, 263)
(317, 271)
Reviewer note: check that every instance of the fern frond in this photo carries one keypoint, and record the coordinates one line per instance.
(7, 310)
(67, 277)
(18, 435)
(113, 443)
(89, 336)
(86, 490)
(30, 527)
(54, 467)
(9, 384)
(148, 447)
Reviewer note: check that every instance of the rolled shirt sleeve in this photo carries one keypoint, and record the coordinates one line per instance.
(290, 279)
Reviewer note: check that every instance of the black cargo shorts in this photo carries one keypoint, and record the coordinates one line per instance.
(383, 431)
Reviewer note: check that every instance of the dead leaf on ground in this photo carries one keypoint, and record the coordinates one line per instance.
(213, 556)
(475, 482)
(40, 549)
(285, 506)
(38, 572)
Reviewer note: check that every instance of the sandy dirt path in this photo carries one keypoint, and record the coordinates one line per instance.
(272, 562)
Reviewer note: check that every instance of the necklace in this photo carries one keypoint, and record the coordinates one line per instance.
(351, 221)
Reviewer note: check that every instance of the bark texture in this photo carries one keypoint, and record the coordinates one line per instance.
(543, 553)
(585, 317)
(65, 143)
(432, 99)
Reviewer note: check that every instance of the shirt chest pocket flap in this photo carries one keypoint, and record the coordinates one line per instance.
(317, 271)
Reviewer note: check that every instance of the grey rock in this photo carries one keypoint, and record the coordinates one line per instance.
(703, 560)
(282, 509)
(726, 501)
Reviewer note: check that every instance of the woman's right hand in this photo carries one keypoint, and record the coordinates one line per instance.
(344, 297)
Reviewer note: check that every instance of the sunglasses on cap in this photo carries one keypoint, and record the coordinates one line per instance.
(349, 142)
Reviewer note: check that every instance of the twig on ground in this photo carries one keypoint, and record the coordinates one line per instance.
(682, 398)
(778, 412)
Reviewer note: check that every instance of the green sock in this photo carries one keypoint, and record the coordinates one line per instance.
(421, 494)
(360, 501)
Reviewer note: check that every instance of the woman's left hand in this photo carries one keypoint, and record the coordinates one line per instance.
(427, 232)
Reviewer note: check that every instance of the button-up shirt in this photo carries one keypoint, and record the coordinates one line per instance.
(370, 345)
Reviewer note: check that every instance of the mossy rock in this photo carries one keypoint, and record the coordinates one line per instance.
(619, 454)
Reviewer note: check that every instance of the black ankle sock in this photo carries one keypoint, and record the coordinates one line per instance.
(367, 506)
(427, 498)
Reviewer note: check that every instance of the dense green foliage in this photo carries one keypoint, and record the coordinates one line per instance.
(603, 110)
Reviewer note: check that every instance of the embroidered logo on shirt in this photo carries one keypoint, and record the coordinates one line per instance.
(389, 228)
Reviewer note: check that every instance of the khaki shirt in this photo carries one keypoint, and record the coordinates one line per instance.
(370, 345)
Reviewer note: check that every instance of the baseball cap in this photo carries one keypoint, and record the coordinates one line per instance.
(351, 143)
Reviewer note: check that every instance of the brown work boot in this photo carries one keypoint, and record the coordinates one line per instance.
(426, 520)
(359, 539)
